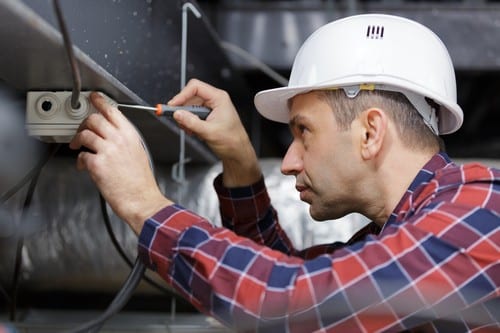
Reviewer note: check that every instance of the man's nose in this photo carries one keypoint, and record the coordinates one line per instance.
(292, 161)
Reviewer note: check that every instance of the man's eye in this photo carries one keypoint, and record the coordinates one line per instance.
(302, 129)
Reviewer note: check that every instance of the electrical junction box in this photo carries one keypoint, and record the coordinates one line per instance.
(50, 117)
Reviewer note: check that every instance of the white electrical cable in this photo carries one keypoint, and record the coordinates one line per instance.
(68, 45)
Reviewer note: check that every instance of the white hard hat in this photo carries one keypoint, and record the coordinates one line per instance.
(373, 51)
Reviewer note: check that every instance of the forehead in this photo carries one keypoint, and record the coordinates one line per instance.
(305, 102)
(300, 98)
(312, 110)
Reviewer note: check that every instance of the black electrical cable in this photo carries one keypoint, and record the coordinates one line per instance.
(43, 160)
(20, 241)
(9, 193)
(77, 84)
(118, 302)
(119, 248)
(139, 268)
(19, 257)
(111, 233)
(132, 281)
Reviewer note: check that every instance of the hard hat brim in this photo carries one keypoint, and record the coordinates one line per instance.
(273, 103)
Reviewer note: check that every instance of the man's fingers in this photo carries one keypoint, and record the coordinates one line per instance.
(191, 123)
(196, 90)
(100, 125)
(82, 160)
(89, 139)
(109, 111)
(95, 123)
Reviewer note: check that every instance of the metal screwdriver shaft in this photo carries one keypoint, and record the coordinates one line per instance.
(167, 110)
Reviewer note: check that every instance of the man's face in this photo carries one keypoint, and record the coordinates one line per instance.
(323, 159)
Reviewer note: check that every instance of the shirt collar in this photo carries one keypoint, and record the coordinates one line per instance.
(425, 175)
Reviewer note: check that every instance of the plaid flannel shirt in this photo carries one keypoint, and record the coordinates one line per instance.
(435, 266)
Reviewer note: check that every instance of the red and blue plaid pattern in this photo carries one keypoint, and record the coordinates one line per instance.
(435, 265)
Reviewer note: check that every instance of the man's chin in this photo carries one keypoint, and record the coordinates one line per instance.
(318, 216)
(324, 215)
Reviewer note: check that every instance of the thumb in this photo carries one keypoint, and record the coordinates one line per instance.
(191, 123)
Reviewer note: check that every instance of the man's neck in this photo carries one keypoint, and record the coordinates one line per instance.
(396, 173)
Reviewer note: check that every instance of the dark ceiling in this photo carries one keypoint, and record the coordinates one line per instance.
(132, 51)
(272, 31)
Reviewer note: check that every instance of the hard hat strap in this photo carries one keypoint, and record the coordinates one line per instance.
(425, 109)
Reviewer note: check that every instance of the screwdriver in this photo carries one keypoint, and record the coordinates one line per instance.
(168, 110)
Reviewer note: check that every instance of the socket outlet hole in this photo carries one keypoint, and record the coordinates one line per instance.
(46, 106)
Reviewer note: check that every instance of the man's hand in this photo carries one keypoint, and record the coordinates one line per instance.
(222, 131)
(118, 164)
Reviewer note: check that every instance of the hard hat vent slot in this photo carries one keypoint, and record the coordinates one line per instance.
(375, 32)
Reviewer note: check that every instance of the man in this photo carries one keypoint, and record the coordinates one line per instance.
(367, 99)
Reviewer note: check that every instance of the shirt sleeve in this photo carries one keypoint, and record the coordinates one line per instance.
(396, 280)
(438, 257)
(248, 212)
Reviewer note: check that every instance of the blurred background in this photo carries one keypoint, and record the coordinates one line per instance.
(58, 264)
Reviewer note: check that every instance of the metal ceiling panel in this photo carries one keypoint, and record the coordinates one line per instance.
(33, 56)
(130, 51)
(274, 31)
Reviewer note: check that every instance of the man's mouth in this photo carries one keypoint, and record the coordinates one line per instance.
(300, 188)
(303, 190)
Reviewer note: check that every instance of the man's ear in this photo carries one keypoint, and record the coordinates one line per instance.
(374, 124)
